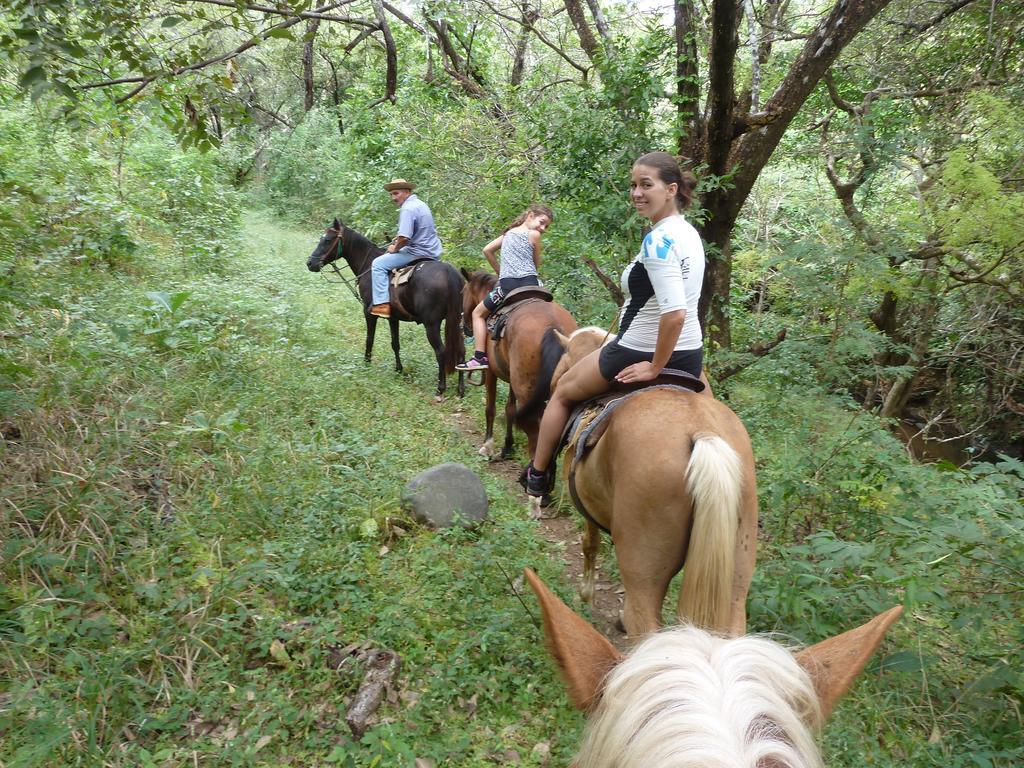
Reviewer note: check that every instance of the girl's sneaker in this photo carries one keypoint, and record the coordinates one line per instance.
(537, 483)
(473, 364)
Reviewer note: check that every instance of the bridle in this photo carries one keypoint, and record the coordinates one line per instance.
(340, 242)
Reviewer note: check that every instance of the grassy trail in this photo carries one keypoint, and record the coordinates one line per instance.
(201, 535)
(235, 532)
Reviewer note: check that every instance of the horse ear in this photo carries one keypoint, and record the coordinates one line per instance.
(562, 338)
(582, 653)
(337, 223)
(466, 274)
(834, 664)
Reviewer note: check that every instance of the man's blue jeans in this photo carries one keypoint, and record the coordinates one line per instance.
(379, 273)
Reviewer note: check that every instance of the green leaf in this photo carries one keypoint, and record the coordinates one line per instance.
(902, 661)
(161, 298)
(171, 21)
(32, 76)
(178, 298)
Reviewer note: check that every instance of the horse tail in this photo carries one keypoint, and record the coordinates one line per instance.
(551, 351)
(454, 347)
(714, 481)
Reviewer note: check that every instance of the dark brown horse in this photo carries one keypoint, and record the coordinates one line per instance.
(525, 357)
(433, 294)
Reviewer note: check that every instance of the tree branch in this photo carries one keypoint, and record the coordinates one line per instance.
(757, 351)
(846, 19)
(540, 36)
(616, 292)
(916, 29)
(317, 14)
(145, 80)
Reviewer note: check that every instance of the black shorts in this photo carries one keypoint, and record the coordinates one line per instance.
(504, 287)
(614, 357)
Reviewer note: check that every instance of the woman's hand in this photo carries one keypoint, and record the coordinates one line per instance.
(642, 371)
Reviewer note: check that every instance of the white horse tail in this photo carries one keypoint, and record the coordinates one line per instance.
(715, 481)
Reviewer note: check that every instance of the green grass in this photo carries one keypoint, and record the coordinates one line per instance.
(202, 513)
(140, 633)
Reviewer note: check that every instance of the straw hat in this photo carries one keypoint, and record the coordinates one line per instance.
(399, 184)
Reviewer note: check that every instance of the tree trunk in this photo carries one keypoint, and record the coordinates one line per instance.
(519, 62)
(742, 148)
(391, 53)
(927, 312)
(687, 79)
(579, 22)
(307, 62)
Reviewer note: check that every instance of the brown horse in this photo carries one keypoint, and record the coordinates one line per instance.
(684, 697)
(672, 481)
(525, 357)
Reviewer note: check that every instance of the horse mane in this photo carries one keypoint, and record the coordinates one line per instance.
(361, 241)
(685, 698)
(482, 280)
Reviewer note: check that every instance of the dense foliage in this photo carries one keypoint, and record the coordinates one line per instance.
(200, 527)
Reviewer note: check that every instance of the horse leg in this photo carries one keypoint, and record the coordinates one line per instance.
(510, 416)
(371, 330)
(491, 394)
(591, 544)
(393, 323)
(651, 531)
(746, 553)
(437, 344)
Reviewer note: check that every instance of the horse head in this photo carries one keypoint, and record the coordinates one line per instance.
(478, 285)
(744, 701)
(577, 345)
(329, 247)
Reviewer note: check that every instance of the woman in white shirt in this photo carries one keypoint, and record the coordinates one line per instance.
(658, 325)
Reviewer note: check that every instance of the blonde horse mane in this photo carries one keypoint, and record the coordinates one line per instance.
(687, 699)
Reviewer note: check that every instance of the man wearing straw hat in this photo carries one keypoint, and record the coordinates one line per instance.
(417, 238)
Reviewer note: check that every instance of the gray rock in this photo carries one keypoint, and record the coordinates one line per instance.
(446, 495)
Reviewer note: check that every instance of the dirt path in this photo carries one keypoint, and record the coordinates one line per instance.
(559, 525)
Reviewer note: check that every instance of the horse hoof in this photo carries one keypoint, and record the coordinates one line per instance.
(438, 398)
(487, 450)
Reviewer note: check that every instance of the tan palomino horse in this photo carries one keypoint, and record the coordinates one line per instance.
(672, 481)
(684, 698)
(525, 357)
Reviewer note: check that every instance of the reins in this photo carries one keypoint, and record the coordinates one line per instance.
(334, 265)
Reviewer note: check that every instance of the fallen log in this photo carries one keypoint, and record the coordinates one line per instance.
(382, 666)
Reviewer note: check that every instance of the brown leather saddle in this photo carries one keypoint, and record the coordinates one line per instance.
(590, 419)
(514, 300)
(400, 277)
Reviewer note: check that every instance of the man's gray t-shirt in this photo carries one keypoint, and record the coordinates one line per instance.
(417, 223)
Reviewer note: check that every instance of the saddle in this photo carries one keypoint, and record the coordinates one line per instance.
(590, 419)
(403, 275)
(520, 297)
(400, 277)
